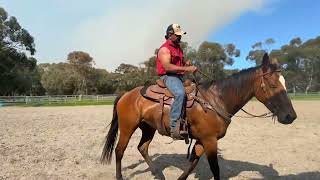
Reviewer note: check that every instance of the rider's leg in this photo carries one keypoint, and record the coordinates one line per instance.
(175, 85)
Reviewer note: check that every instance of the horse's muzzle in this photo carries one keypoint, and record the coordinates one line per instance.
(289, 118)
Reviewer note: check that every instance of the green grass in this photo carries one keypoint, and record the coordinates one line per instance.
(300, 98)
(305, 97)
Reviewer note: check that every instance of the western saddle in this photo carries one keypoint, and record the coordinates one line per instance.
(160, 93)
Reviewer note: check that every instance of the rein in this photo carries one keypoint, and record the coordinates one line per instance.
(227, 116)
(264, 115)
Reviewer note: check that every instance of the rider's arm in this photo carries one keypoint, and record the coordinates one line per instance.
(165, 59)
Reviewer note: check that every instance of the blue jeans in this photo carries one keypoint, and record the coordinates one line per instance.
(175, 85)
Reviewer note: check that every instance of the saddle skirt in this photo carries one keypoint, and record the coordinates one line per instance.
(160, 93)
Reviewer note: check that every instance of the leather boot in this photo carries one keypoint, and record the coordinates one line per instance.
(177, 132)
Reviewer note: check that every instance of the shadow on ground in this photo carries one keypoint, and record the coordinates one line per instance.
(228, 168)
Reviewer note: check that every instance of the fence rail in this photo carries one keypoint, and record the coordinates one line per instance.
(57, 99)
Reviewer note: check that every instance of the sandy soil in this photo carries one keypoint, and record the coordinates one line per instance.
(66, 143)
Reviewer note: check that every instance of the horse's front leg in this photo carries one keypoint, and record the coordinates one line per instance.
(196, 153)
(211, 150)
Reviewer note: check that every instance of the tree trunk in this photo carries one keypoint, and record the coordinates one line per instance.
(310, 80)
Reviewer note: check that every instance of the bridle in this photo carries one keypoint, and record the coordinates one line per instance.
(274, 108)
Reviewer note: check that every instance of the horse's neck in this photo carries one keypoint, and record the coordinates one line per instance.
(237, 92)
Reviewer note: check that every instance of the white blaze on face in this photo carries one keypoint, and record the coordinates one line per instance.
(283, 82)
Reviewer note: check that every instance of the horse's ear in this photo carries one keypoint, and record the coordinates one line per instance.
(265, 61)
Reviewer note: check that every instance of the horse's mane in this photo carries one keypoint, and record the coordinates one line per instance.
(234, 80)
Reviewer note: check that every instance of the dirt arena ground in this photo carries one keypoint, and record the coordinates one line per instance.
(66, 143)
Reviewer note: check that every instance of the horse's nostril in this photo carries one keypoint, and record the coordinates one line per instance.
(289, 117)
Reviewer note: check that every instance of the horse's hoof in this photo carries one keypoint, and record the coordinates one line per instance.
(119, 177)
(182, 177)
(155, 171)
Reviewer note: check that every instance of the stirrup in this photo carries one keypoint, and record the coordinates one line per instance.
(176, 136)
(184, 131)
(175, 132)
(180, 131)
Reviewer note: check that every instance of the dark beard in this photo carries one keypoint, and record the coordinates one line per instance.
(177, 42)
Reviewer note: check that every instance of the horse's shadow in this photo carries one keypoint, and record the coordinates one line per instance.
(228, 168)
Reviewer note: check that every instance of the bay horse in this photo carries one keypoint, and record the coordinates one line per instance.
(131, 111)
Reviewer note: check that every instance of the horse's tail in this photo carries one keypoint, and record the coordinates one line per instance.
(108, 148)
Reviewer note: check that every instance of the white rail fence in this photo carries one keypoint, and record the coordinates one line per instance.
(11, 100)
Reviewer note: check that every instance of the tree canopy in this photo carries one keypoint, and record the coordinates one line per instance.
(18, 71)
(76, 74)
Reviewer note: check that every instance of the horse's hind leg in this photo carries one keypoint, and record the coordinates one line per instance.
(196, 153)
(126, 132)
(147, 136)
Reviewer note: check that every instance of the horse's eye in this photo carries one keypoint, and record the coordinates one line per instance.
(273, 86)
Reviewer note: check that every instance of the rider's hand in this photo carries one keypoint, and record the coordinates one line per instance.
(188, 63)
(191, 69)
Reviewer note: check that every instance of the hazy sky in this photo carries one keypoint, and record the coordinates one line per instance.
(124, 31)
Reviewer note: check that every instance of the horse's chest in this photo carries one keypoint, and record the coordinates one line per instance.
(207, 124)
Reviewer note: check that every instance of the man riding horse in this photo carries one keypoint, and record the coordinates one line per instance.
(208, 120)
(171, 67)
